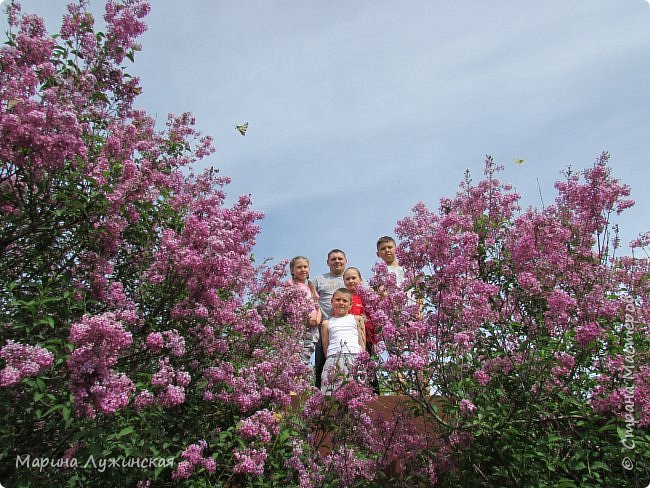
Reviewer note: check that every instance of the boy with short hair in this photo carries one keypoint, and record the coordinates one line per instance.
(387, 251)
(343, 336)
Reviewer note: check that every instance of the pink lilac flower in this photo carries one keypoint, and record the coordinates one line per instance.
(566, 362)
(99, 341)
(112, 392)
(194, 453)
(165, 374)
(349, 466)
(261, 425)
(462, 340)
(143, 399)
(192, 457)
(250, 461)
(585, 334)
(22, 360)
(171, 396)
(209, 464)
(169, 339)
(182, 378)
(173, 383)
(155, 342)
(466, 406)
(183, 470)
(482, 377)
(174, 342)
(529, 282)
(10, 376)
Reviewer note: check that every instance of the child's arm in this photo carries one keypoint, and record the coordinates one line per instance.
(315, 317)
(361, 329)
(324, 334)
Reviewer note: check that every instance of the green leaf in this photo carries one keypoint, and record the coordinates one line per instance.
(49, 321)
(566, 483)
(65, 413)
(599, 465)
(53, 409)
(125, 431)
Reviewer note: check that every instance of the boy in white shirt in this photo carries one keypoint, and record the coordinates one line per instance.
(343, 336)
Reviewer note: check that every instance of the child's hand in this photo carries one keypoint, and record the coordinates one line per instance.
(313, 319)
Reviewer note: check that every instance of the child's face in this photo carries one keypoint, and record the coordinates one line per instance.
(386, 251)
(351, 279)
(341, 304)
(300, 269)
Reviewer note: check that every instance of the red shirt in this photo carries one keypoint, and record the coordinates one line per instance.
(358, 309)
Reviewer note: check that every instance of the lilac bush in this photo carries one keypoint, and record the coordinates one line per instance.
(134, 320)
(529, 328)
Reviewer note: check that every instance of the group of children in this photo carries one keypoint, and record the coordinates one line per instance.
(338, 327)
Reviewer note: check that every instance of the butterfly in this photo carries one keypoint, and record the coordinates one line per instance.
(12, 102)
(519, 161)
(242, 128)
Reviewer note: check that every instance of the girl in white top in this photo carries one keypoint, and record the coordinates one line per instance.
(344, 337)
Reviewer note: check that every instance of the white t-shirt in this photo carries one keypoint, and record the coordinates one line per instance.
(398, 271)
(343, 335)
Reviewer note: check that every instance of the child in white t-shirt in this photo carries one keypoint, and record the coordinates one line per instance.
(343, 336)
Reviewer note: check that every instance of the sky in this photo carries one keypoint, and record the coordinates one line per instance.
(359, 110)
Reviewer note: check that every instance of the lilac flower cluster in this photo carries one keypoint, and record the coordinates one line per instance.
(171, 339)
(143, 399)
(259, 426)
(349, 467)
(22, 360)
(305, 467)
(172, 382)
(193, 457)
(99, 341)
(250, 461)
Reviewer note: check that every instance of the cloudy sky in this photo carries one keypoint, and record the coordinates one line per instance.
(358, 110)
